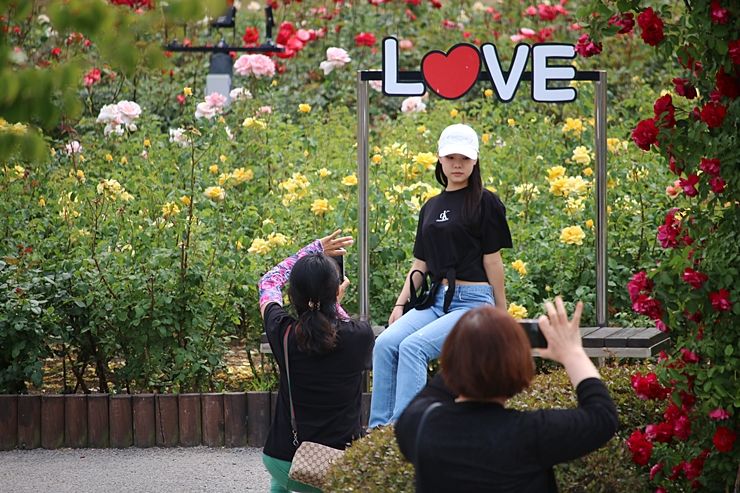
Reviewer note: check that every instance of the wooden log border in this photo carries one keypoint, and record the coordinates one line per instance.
(230, 419)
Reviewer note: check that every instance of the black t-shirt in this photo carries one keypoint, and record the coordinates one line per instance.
(444, 241)
(327, 389)
(485, 447)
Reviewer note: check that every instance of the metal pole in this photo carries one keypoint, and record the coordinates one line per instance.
(601, 212)
(363, 127)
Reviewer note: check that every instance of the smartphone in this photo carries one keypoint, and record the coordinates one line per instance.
(535, 335)
(340, 263)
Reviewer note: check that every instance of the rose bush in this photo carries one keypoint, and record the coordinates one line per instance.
(690, 291)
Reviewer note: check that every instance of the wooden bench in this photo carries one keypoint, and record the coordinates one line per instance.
(619, 342)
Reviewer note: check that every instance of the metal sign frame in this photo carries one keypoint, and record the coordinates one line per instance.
(363, 162)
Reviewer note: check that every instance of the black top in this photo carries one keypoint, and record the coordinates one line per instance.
(485, 447)
(445, 242)
(327, 389)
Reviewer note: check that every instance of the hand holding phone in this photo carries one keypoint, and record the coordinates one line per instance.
(535, 335)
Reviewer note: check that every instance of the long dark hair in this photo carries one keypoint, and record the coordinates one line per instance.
(473, 192)
(314, 281)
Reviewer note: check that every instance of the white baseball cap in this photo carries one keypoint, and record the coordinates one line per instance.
(458, 139)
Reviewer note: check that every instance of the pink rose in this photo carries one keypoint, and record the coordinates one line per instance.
(257, 65)
(335, 58)
(129, 111)
(406, 44)
(718, 414)
(216, 99)
(109, 114)
(205, 110)
(413, 104)
(73, 147)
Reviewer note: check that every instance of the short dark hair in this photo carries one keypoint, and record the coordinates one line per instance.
(487, 355)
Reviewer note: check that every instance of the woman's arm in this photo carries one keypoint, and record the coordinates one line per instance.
(403, 297)
(494, 267)
(271, 284)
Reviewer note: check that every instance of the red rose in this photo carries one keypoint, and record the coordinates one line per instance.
(365, 39)
(717, 184)
(689, 356)
(410, 15)
(662, 432)
(689, 184)
(413, 2)
(713, 114)
(657, 468)
(285, 31)
(626, 21)
(720, 300)
(436, 4)
(734, 51)
(647, 387)
(448, 24)
(727, 85)
(639, 284)
(710, 166)
(682, 428)
(718, 14)
(646, 305)
(586, 47)
(645, 134)
(694, 278)
(665, 112)
(651, 25)
(670, 229)
(251, 35)
(724, 439)
(56, 52)
(640, 447)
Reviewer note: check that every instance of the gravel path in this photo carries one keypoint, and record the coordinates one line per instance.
(133, 469)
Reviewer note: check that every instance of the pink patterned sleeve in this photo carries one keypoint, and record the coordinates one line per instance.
(271, 285)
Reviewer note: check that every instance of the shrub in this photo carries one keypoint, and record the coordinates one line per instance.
(374, 463)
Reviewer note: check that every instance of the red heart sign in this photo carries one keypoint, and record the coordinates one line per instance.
(451, 75)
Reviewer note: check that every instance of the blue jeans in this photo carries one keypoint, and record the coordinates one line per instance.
(403, 351)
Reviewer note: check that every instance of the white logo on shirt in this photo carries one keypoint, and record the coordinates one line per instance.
(443, 216)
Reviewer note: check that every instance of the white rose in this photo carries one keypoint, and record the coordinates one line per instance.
(129, 111)
(109, 114)
(205, 110)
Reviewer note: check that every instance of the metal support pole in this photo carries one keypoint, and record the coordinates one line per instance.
(363, 128)
(601, 212)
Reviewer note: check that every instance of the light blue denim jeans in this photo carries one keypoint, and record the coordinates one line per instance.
(403, 351)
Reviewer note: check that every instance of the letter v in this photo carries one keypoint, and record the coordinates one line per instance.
(505, 88)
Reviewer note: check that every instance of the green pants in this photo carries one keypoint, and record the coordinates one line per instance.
(281, 483)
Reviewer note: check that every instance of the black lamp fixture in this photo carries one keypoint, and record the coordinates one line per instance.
(221, 67)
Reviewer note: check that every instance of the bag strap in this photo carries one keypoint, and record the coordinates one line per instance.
(293, 425)
(413, 297)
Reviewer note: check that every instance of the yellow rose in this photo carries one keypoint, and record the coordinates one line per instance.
(376, 159)
(511, 122)
(426, 159)
(488, 93)
(572, 235)
(240, 175)
(224, 178)
(222, 158)
(108, 157)
(42, 201)
(238, 245)
(454, 113)
(259, 246)
(350, 180)
(485, 138)
(555, 172)
(185, 200)
(304, 108)
(213, 169)
(421, 129)
(320, 207)
(588, 171)
(613, 144)
(590, 223)
(147, 143)
(217, 194)
(577, 185)
(253, 122)
(187, 91)
(170, 209)
(581, 155)
(517, 311)
(277, 239)
(574, 126)
(124, 160)
(520, 267)
(559, 187)
(323, 172)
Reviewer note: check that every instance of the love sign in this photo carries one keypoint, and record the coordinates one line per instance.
(451, 75)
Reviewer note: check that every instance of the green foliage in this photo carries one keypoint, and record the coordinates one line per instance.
(374, 463)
